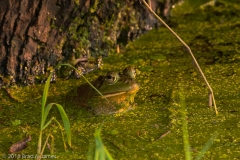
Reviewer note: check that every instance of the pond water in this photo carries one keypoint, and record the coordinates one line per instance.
(153, 129)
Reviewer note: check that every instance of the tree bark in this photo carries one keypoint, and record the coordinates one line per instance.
(38, 34)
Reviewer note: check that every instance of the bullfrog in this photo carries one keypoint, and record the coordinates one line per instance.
(118, 90)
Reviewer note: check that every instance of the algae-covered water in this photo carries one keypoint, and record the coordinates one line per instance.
(153, 129)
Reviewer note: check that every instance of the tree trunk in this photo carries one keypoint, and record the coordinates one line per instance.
(38, 34)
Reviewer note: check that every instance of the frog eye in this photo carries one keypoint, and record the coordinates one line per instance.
(112, 78)
(130, 72)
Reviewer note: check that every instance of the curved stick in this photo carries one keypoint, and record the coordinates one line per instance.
(211, 96)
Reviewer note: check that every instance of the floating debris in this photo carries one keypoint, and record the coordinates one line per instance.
(21, 145)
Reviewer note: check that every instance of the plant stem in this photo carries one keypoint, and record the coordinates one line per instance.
(61, 128)
(39, 156)
(85, 80)
(187, 148)
(39, 143)
(211, 96)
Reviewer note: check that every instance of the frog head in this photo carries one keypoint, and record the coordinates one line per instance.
(118, 89)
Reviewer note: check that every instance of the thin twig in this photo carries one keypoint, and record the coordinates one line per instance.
(40, 156)
(163, 135)
(211, 96)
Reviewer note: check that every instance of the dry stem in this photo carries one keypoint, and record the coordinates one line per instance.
(211, 96)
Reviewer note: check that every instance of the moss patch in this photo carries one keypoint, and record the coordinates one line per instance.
(164, 65)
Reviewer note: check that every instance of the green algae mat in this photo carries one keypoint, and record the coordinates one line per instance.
(153, 129)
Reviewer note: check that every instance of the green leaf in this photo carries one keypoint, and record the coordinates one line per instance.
(101, 153)
(65, 123)
(206, 146)
(45, 126)
(108, 155)
(186, 142)
(45, 91)
(44, 97)
(46, 112)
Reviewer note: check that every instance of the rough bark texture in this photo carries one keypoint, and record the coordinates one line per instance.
(38, 34)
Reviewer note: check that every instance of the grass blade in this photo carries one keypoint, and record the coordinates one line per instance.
(46, 112)
(44, 98)
(184, 126)
(206, 146)
(66, 123)
(108, 155)
(49, 122)
(84, 79)
(91, 150)
(101, 153)
(45, 91)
